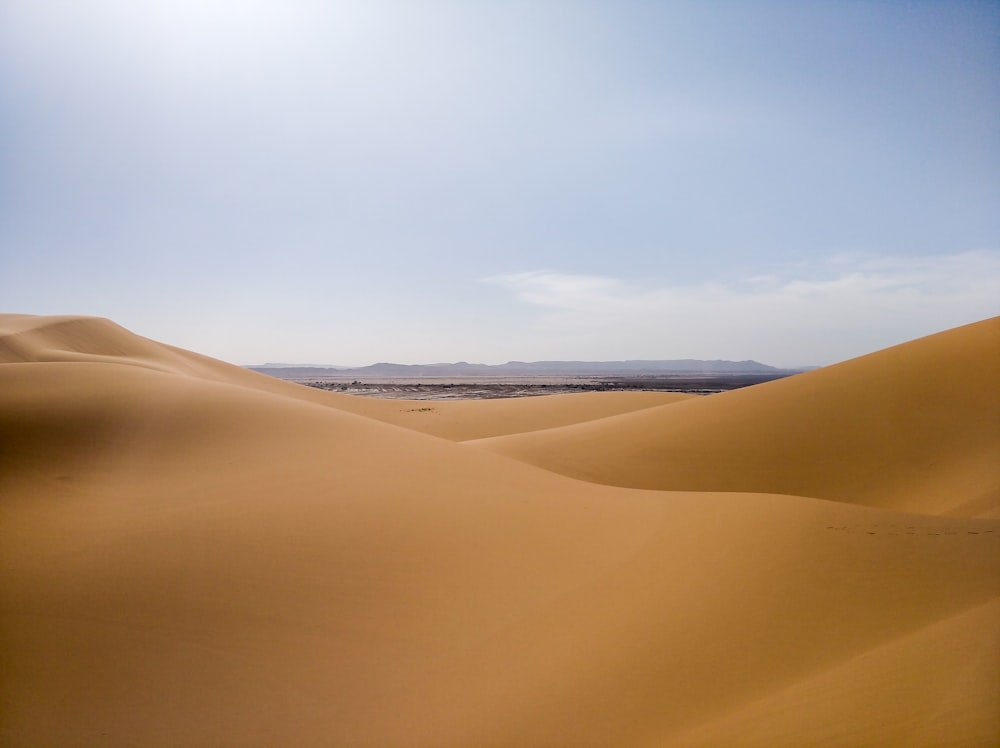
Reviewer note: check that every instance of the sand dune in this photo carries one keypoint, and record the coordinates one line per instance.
(915, 427)
(194, 554)
(27, 338)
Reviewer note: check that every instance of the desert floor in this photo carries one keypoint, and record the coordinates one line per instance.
(192, 554)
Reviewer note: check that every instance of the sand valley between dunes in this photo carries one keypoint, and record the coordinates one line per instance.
(194, 554)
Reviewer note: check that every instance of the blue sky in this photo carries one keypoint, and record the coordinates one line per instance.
(429, 180)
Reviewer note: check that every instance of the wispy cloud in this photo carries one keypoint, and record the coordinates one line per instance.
(818, 313)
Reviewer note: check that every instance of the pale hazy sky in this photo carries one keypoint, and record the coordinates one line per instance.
(429, 180)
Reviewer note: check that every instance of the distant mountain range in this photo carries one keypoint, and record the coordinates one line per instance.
(524, 368)
(272, 365)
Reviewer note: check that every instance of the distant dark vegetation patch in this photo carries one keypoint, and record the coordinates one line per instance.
(455, 390)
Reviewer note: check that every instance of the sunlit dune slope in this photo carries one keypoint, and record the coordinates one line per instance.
(956, 706)
(462, 420)
(76, 339)
(186, 559)
(913, 427)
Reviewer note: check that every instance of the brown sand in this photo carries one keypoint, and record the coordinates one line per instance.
(194, 554)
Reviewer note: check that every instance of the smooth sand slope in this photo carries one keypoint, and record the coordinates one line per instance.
(914, 427)
(193, 554)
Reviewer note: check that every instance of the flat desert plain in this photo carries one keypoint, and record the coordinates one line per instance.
(192, 554)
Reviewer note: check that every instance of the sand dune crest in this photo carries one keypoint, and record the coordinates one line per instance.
(33, 339)
(915, 427)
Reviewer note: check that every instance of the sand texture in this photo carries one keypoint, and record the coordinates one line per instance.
(193, 554)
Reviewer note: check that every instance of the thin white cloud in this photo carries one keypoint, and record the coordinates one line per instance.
(827, 312)
(559, 290)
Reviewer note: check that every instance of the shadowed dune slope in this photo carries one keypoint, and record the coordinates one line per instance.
(187, 559)
(915, 427)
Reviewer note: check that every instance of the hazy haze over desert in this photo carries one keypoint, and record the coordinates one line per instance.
(193, 553)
